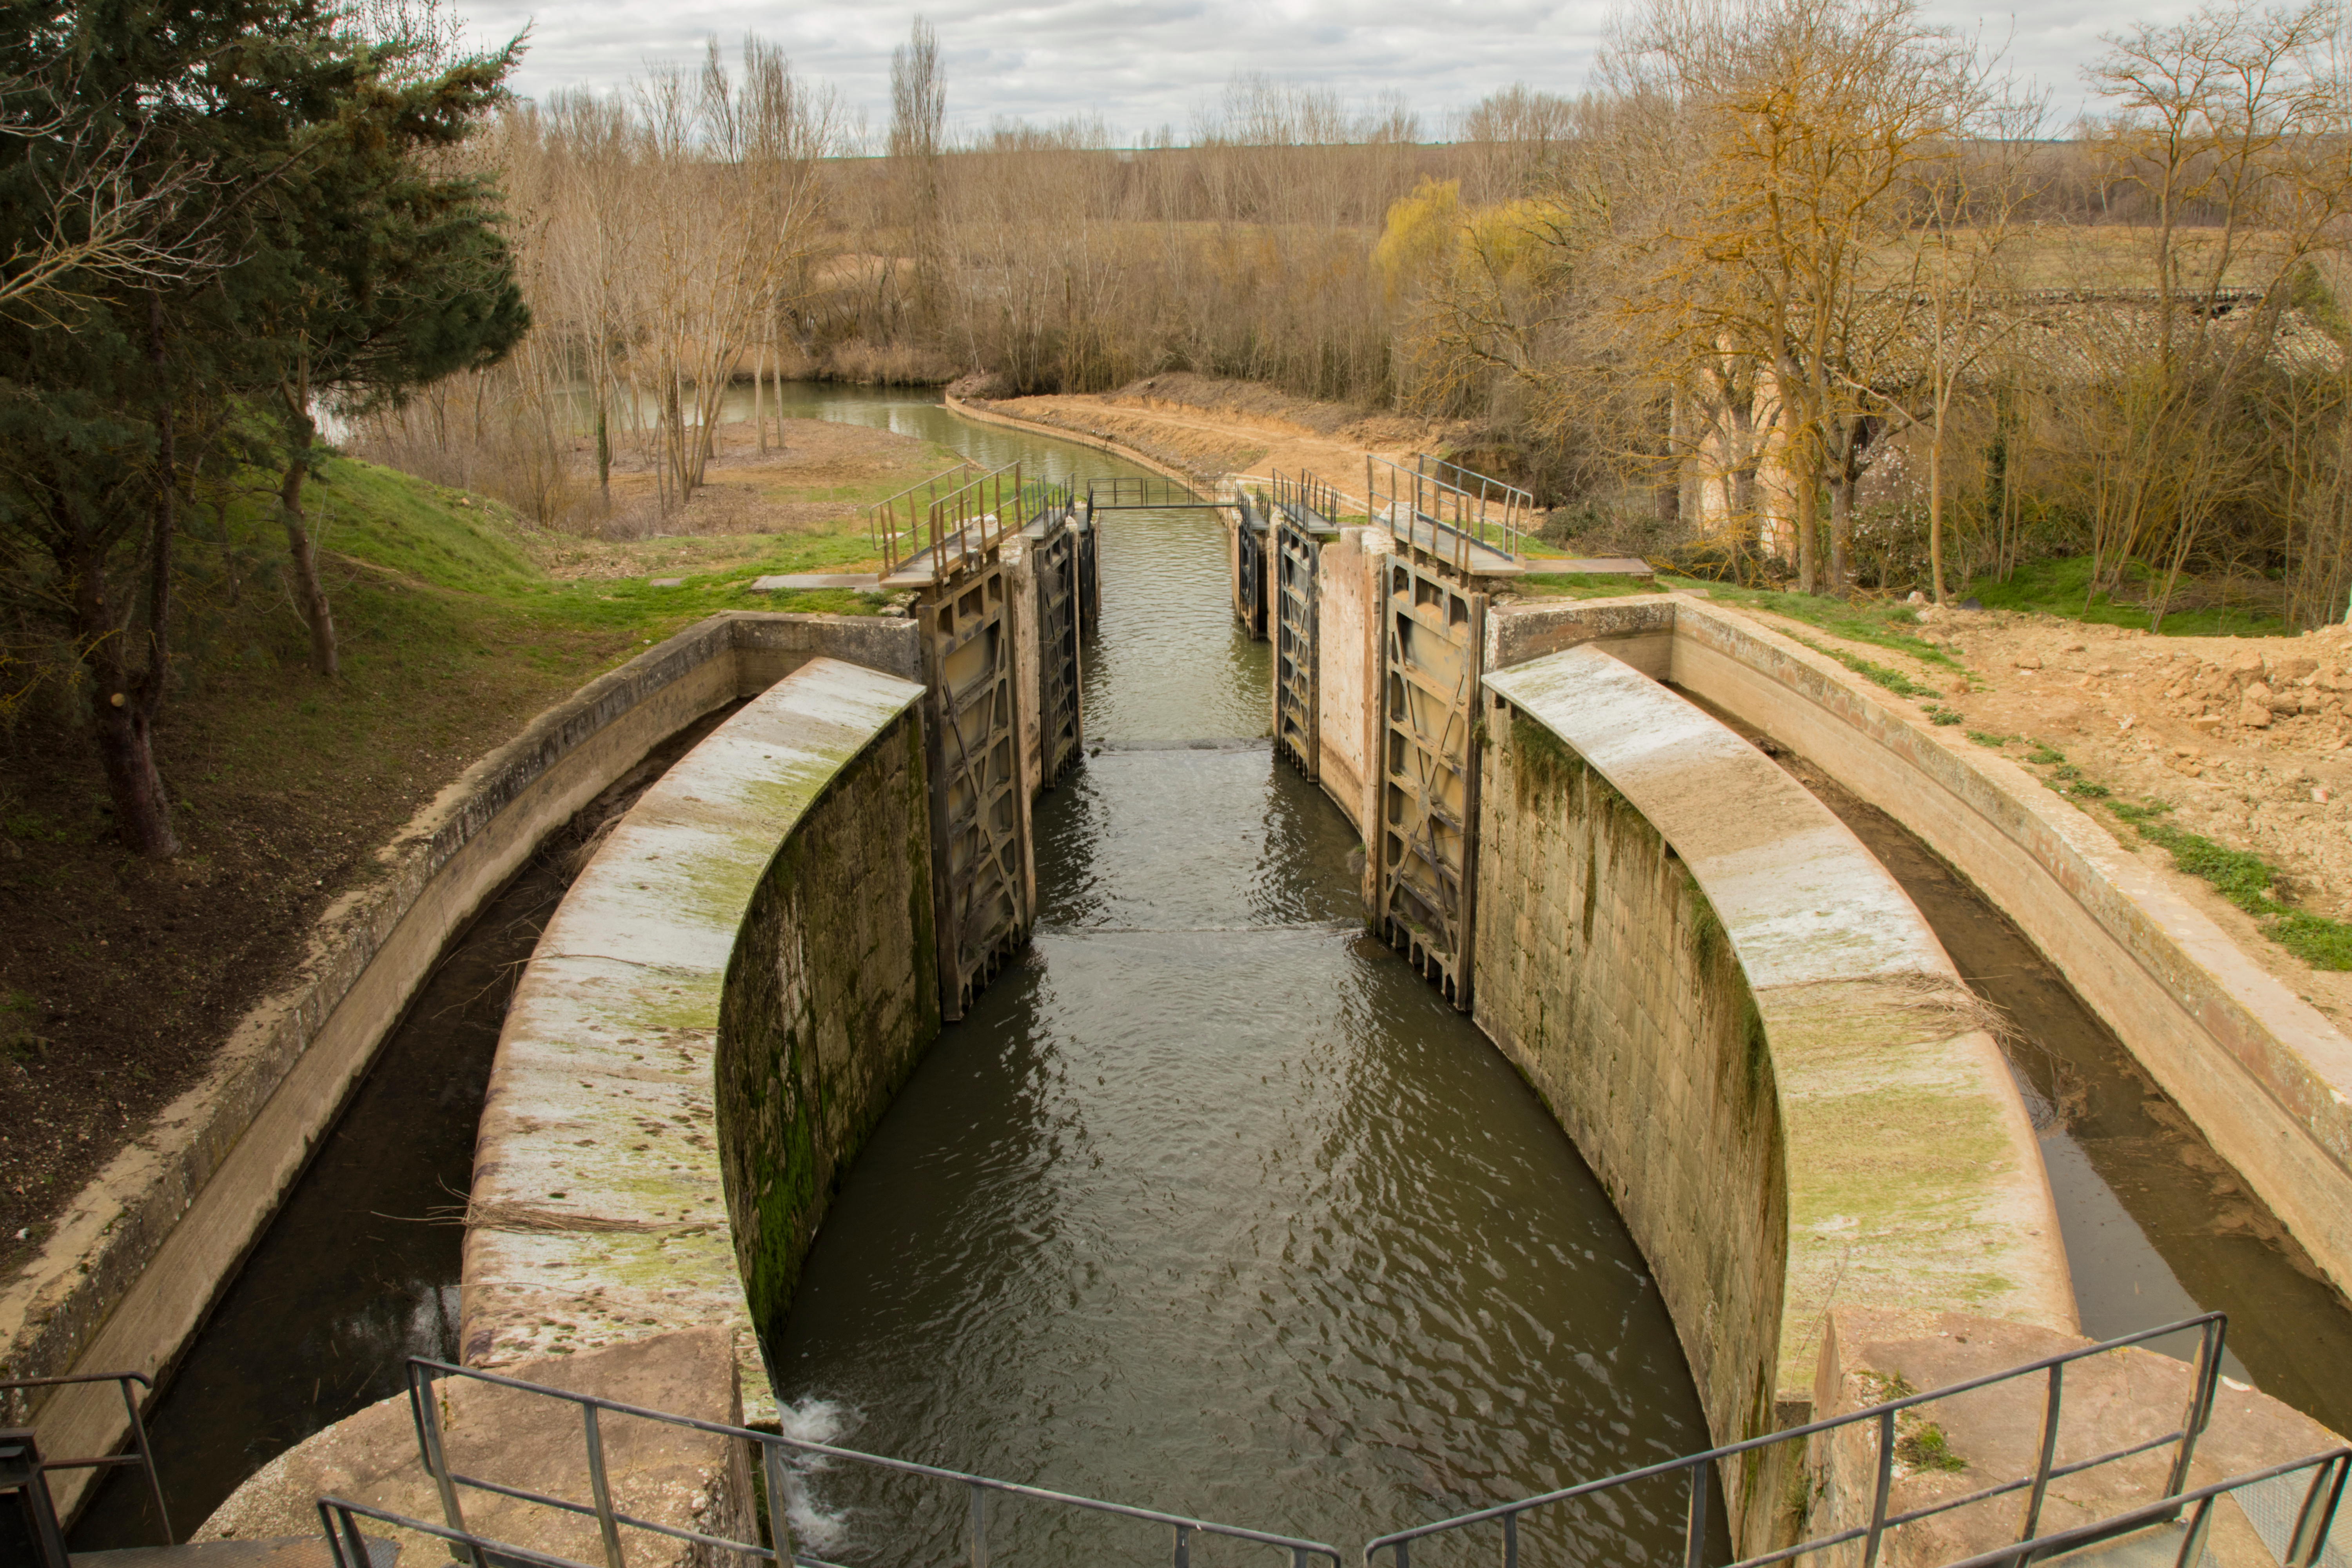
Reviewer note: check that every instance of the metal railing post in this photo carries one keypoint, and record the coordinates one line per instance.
(2047, 1453)
(1510, 1541)
(1877, 1535)
(146, 1457)
(2192, 1542)
(979, 1527)
(599, 1487)
(1183, 1546)
(780, 1524)
(343, 1536)
(2317, 1516)
(2200, 1403)
(436, 1460)
(1694, 1520)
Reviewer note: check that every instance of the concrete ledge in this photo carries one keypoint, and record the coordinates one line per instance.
(1825, 1117)
(598, 1213)
(982, 413)
(2112, 1401)
(139, 1256)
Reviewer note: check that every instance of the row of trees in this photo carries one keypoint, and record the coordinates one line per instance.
(1854, 258)
(1809, 279)
(215, 219)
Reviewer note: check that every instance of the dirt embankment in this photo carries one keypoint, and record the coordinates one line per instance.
(1209, 428)
(2247, 741)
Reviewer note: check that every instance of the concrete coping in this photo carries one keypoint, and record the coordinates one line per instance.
(1912, 1174)
(597, 1214)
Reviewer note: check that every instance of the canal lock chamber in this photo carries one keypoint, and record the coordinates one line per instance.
(1209, 1202)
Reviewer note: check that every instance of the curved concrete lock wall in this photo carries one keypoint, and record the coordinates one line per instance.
(1753, 1037)
(712, 1021)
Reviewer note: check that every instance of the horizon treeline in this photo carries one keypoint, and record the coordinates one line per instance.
(1794, 290)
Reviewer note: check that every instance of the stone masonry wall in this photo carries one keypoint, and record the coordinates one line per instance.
(601, 1208)
(1758, 1044)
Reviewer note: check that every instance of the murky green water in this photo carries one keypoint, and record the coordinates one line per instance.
(1212, 1205)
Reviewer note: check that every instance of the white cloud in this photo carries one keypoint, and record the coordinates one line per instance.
(1142, 65)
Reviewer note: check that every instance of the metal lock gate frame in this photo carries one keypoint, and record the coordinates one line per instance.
(1061, 722)
(1297, 729)
(983, 874)
(1433, 634)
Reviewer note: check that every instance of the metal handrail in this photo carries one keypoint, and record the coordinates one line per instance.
(2306, 1543)
(976, 515)
(1303, 493)
(425, 1414)
(882, 525)
(2210, 1326)
(140, 1455)
(1458, 504)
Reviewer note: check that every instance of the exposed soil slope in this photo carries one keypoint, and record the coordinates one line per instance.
(2247, 739)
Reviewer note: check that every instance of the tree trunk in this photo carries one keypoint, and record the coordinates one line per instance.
(307, 594)
(122, 710)
(1804, 486)
(1841, 573)
(1935, 507)
(603, 449)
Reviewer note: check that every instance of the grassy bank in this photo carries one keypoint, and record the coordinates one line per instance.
(120, 978)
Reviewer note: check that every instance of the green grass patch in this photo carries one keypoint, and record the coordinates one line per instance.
(1943, 715)
(1881, 622)
(1895, 681)
(2059, 587)
(475, 548)
(1987, 738)
(2246, 880)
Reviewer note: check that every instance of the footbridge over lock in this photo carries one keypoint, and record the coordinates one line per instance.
(1760, 1051)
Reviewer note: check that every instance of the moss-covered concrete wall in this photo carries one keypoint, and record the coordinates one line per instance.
(1756, 1041)
(829, 1000)
(1605, 974)
(603, 1207)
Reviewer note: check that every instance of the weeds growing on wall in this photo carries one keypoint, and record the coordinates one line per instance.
(1876, 621)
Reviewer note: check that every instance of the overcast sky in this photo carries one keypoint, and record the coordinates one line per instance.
(1151, 62)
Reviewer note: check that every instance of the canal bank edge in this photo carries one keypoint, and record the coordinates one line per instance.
(1753, 1037)
(2264, 1076)
(713, 1020)
(138, 1258)
(981, 413)
(2261, 1072)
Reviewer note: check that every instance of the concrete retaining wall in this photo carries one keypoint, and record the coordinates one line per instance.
(1755, 1040)
(775, 882)
(829, 1000)
(2267, 1079)
(138, 1258)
